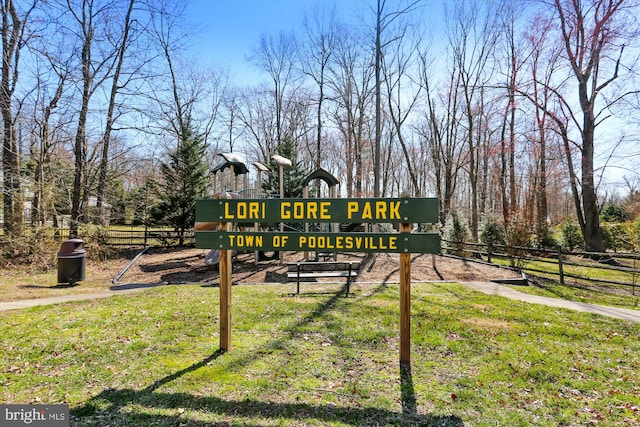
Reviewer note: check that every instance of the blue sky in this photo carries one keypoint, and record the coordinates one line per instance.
(232, 28)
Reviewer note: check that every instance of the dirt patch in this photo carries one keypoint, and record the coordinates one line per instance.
(188, 265)
(487, 323)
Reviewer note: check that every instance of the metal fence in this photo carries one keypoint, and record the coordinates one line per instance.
(134, 236)
(149, 237)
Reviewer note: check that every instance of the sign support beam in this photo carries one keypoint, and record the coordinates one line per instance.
(225, 297)
(405, 302)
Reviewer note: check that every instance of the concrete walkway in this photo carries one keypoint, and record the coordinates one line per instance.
(490, 288)
(14, 305)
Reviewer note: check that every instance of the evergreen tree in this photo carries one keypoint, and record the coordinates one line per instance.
(571, 235)
(456, 232)
(185, 179)
(492, 232)
(293, 177)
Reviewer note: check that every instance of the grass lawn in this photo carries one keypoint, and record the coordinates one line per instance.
(322, 359)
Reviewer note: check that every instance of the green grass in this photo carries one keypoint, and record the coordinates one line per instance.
(322, 359)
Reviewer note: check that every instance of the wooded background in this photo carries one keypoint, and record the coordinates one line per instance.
(523, 111)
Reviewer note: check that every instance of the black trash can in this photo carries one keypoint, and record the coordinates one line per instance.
(71, 261)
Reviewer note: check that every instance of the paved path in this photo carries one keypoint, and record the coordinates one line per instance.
(13, 305)
(490, 288)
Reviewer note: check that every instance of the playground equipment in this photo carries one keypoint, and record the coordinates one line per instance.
(322, 175)
(260, 168)
(237, 166)
(282, 163)
(221, 189)
(261, 255)
(332, 182)
(213, 257)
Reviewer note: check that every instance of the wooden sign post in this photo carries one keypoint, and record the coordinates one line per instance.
(225, 211)
(405, 302)
(225, 297)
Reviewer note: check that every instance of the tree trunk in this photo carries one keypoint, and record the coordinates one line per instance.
(80, 145)
(12, 199)
(106, 137)
(593, 237)
(590, 36)
(376, 149)
(473, 176)
(541, 181)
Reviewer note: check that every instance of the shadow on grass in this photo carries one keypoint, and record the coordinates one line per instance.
(58, 286)
(128, 286)
(338, 289)
(253, 409)
(407, 392)
(341, 293)
(552, 287)
(113, 401)
(110, 407)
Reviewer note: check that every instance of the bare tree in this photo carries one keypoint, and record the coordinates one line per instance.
(352, 85)
(175, 100)
(121, 43)
(275, 56)
(258, 119)
(45, 107)
(515, 58)
(594, 34)
(14, 23)
(440, 131)
(87, 22)
(399, 66)
(231, 118)
(211, 109)
(316, 50)
(53, 63)
(384, 19)
(543, 62)
(473, 33)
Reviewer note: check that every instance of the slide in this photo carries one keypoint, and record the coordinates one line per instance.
(213, 257)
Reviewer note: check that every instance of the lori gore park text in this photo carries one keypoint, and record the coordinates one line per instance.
(318, 210)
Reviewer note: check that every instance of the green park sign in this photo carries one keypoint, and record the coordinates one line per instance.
(212, 212)
(214, 218)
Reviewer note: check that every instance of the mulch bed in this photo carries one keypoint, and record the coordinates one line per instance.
(188, 266)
